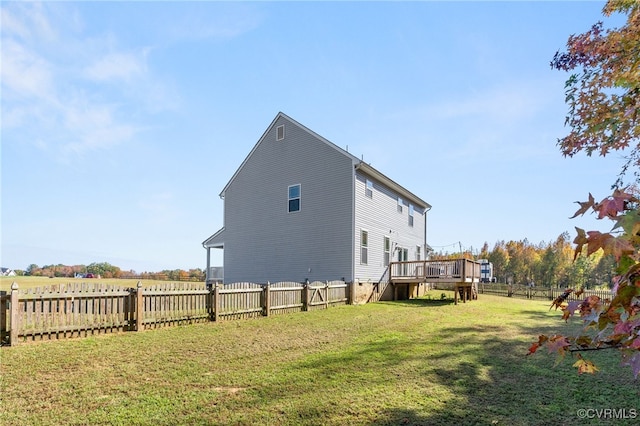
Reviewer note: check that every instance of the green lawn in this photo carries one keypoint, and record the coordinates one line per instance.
(32, 282)
(392, 363)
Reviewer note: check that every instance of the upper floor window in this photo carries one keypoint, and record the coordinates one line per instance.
(294, 198)
(280, 132)
(369, 189)
(400, 202)
(410, 215)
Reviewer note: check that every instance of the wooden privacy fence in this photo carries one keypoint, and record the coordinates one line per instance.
(77, 310)
(544, 293)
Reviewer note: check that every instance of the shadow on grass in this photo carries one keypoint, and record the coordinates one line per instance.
(419, 303)
(486, 373)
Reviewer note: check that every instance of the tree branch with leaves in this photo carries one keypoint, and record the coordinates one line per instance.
(603, 95)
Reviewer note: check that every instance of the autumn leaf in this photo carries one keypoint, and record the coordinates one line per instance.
(580, 240)
(571, 307)
(597, 240)
(585, 366)
(534, 347)
(558, 344)
(558, 301)
(619, 247)
(584, 206)
(610, 207)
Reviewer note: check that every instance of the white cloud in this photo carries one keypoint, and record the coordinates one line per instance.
(58, 83)
(118, 66)
(230, 21)
(24, 72)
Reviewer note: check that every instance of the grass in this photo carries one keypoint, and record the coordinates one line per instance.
(32, 282)
(419, 362)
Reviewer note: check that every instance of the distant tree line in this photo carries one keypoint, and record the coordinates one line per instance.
(106, 270)
(545, 264)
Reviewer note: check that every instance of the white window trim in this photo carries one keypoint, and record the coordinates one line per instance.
(368, 188)
(280, 132)
(299, 198)
(386, 250)
(366, 247)
(411, 215)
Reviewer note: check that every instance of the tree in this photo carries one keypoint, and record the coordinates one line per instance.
(31, 269)
(604, 104)
(604, 96)
(500, 259)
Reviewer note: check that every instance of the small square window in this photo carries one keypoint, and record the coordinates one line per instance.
(280, 132)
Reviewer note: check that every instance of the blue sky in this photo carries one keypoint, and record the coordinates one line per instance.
(123, 121)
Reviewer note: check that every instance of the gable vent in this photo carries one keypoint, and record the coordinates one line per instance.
(280, 132)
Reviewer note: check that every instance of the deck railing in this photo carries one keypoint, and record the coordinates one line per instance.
(455, 270)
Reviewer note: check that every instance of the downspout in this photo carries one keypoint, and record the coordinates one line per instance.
(425, 232)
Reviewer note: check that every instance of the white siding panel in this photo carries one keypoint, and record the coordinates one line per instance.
(263, 241)
(379, 216)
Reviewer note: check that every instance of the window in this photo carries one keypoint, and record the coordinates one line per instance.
(400, 202)
(410, 215)
(418, 253)
(364, 247)
(294, 198)
(369, 190)
(280, 132)
(387, 251)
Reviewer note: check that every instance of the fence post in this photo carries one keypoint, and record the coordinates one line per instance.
(4, 305)
(209, 301)
(139, 307)
(13, 318)
(267, 299)
(216, 302)
(352, 293)
(305, 296)
(326, 294)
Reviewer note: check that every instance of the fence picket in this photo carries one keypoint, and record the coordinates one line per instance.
(83, 309)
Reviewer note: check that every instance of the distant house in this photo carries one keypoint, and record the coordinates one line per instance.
(6, 272)
(301, 208)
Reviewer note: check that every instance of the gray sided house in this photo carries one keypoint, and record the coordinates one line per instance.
(301, 208)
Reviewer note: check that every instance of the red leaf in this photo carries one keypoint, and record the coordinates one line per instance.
(610, 207)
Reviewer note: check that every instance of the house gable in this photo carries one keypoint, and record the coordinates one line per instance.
(264, 238)
(295, 209)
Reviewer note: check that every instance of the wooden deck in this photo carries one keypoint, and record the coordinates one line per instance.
(462, 273)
